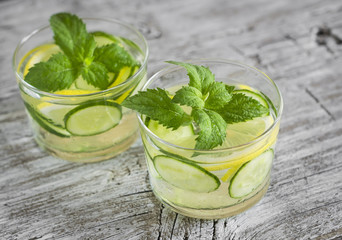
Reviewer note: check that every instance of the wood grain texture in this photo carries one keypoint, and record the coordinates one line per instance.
(298, 43)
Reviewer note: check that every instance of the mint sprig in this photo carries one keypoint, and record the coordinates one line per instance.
(79, 57)
(214, 105)
(212, 128)
(189, 96)
(157, 104)
(200, 77)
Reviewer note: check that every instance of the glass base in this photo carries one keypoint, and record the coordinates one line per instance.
(94, 156)
(218, 213)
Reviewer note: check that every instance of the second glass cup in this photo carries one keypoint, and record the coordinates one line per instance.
(78, 124)
(224, 181)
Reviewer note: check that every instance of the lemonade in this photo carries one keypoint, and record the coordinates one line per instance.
(83, 121)
(229, 178)
(221, 178)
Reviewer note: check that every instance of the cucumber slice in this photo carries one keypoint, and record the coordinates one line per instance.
(251, 175)
(93, 118)
(253, 95)
(103, 38)
(184, 136)
(46, 123)
(185, 174)
(54, 113)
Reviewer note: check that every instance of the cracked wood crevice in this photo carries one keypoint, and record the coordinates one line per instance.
(160, 221)
(135, 193)
(320, 104)
(173, 225)
(214, 230)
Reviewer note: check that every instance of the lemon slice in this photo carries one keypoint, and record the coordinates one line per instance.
(74, 92)
(244, 87)
(244, 132)
(123, 75)
(40, 54)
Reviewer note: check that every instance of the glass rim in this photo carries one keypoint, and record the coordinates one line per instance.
(49, 94)
(169, 69)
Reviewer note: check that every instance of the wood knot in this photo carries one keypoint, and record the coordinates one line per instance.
(323, 33)
(150, 31)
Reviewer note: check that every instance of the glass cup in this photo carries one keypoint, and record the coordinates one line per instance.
(103, 130)
(212, 184)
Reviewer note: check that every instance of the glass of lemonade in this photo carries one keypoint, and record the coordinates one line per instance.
(83, 123)
(228, 179)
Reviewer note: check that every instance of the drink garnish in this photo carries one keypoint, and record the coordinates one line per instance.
(213, 106)
(79, 57)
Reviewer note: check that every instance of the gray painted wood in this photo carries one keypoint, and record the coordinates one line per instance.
(298, 43)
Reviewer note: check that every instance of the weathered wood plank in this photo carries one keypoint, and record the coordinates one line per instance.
(298, 44)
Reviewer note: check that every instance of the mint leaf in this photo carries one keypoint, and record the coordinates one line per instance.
(96, 74)
(156, 104)
(81, 57)
(229, 88)
(56, 74)
(212, 128)
(195, 76)
(200, 77)
(218, 96)
(214, 105)
(242, 108)
(189, 96)
(114, 57)
(71, 36)
(208, 79)
(84, 50)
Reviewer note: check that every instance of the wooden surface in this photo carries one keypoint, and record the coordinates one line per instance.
(298, 43)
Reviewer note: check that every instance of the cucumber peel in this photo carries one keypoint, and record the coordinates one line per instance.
(93, 117)
(45, 123)
(185, 174)
(251, 175)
